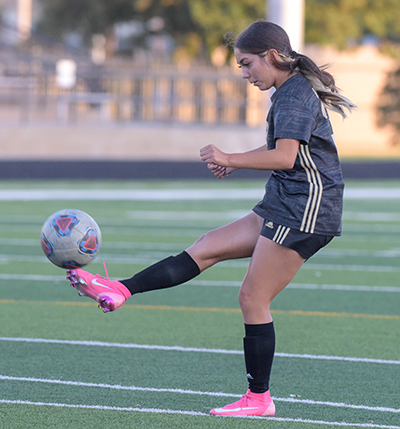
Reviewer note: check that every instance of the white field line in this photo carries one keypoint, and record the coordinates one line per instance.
(304, 286)
(155, 248)
(340, 253)
(7, 258)
(186, 215)
(173, 194)
(131, 195)
(203, 215)
(195, 413)
(222, 283)
(381, 233)
(371, 216)
(184, 227)
(106, 408)
(190, 233)
(139, 246)
(193, 349)
(194, 392)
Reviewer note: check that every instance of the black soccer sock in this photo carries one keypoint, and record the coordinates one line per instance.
(169, 272)
(259, 349)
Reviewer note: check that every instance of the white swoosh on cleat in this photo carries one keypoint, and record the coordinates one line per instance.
(96, 283)
(222, 410)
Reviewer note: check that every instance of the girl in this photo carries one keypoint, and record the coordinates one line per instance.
(299, 214)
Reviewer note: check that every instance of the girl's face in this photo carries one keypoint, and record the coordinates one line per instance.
(260, 71)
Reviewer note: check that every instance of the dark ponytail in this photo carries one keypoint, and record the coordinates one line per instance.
(261, 36)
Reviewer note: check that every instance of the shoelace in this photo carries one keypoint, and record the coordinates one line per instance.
(242, 402)
(105, 269)
(245, 400)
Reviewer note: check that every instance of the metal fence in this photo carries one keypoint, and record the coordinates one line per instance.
(31, 93)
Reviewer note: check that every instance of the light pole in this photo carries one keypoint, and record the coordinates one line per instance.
(289, 14)
(24, 19)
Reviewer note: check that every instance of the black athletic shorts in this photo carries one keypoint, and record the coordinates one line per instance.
(303, 243)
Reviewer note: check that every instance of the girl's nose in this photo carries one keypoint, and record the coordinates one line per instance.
(245, 74)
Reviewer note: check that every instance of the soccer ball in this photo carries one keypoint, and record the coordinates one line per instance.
(71, 238)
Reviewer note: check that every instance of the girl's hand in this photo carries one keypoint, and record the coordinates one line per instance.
(212, 155)
(220, 172)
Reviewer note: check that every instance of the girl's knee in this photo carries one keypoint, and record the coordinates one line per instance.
(203, 252)
(249, 300)
(253, 303)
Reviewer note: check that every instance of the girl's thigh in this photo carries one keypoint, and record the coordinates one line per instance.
(233, 241)
(271, 269)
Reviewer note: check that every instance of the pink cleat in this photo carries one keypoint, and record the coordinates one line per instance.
(110, 294)
(251, 404)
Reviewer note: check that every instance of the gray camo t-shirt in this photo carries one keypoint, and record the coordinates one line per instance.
(308, 197)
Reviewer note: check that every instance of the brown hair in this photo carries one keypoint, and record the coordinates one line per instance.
(261, 36)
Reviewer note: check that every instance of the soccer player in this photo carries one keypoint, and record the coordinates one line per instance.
(299, 214)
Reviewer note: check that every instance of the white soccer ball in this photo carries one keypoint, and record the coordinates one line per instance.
(71, 238)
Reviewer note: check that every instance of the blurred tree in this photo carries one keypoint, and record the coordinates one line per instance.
(86, 17)
(335, 22)
(210, 20)
(178, 20)
(221, 20)
(388, 107)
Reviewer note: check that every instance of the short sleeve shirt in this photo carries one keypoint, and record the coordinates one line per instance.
(308, 197)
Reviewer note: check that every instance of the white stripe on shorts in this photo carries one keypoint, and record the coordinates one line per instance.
(281, 234)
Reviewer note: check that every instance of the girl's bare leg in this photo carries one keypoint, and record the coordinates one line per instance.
(271, 269)
(233, 241)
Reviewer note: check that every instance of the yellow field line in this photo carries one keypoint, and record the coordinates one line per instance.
(208, 309)
(333, 314)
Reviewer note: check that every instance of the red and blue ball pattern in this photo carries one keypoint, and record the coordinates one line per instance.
(70, 238)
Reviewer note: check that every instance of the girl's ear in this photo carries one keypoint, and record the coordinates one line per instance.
(273, 55)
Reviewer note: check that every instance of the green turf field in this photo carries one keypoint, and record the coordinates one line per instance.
(167, 357)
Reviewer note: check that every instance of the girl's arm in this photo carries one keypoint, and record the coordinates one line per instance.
(282, 157)
(221, 172)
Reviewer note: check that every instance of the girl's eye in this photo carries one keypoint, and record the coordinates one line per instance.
(243, 65)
